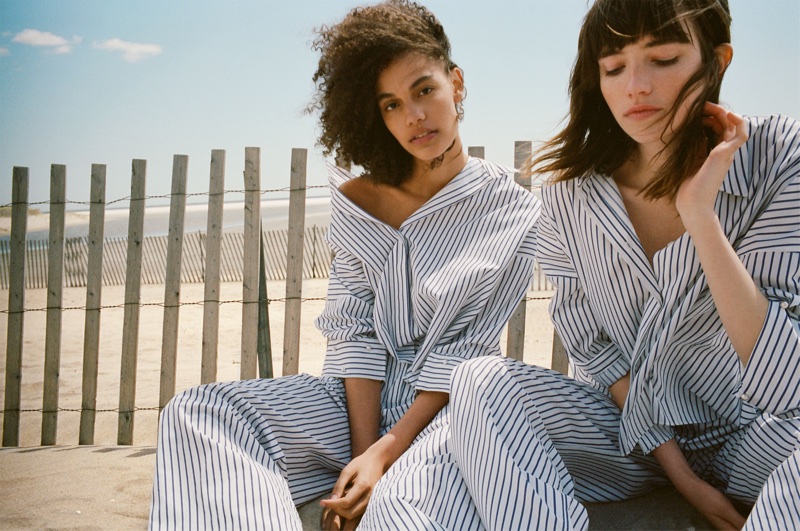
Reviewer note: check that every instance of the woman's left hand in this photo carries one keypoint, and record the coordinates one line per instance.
(353, 489)
(697, 194)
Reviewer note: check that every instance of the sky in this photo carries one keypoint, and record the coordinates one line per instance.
(108, 81)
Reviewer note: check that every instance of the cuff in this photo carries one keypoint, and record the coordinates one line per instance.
(362, 358)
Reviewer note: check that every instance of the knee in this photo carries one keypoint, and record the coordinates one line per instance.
(477, 376)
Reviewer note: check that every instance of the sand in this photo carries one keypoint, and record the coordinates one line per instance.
(108, 487)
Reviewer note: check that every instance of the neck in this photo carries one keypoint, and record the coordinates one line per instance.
(430, 176)
(641, 168)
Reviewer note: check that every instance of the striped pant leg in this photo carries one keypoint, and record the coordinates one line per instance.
(778, 505)
(240, 455)
(514, 473)
(762, 464)
(424, 488)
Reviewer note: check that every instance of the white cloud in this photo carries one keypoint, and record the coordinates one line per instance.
(4, 52)
(132, 52)
(55, 44)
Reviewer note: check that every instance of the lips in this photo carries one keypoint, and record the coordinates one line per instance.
(423, 136)
(641, 112)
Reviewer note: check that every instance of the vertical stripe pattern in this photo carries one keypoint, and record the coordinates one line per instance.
(404, 306)
(617, 314)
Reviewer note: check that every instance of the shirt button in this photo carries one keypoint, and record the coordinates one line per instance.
(745, 396)
(784, 304)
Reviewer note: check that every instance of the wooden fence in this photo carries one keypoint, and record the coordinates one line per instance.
(316, 258)
(211, 257)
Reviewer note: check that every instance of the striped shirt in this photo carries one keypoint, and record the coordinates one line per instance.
(617, 314)
(435, 292)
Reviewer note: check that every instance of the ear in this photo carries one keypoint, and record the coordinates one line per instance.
(724, 56)
(457, 79)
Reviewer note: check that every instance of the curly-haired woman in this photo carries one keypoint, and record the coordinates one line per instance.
(433, 250)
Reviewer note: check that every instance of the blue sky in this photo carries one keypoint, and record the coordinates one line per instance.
(107, 81)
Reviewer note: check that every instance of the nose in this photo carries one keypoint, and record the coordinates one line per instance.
(638, 81)
(414, 113)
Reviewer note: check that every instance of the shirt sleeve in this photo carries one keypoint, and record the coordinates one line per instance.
(347, 321)
(771, 379)
(590, 349)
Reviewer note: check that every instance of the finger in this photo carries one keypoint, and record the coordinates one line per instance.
(356, 510)
(345, 478)
(330, 520)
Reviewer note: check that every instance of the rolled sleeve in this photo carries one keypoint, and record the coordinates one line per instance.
(770, 380)
(439, 366)
(347, 321)
(361, 358)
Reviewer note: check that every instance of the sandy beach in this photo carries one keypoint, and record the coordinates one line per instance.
(537, 350)
(106, 486)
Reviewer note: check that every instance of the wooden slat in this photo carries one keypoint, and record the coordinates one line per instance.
(475, 151)
(94, 287)
(55, 292)
(172, 280)
(294, 262)
(130, 325)
(250, 260)
(516, 324)
(559, 361)
(16, 306)
(264, 333)
(213, 243)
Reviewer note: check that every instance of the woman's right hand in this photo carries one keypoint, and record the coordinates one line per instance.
(710, 502)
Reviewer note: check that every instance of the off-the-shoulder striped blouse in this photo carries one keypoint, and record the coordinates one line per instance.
(434, 292)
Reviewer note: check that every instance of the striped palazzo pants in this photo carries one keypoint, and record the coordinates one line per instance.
(531, 444)
(242, 455)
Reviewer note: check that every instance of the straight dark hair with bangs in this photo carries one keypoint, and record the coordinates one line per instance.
(592, 141)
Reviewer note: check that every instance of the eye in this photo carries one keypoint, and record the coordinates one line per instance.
(425, 91)
(666, 62)
(390, 106)
(611, 72)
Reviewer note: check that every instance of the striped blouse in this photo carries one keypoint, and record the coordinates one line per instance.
(617, 314)
(435, 292)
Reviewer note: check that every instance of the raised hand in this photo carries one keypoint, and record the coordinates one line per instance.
(698, 193)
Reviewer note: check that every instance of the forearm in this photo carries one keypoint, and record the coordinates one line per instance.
(619, 390)
(741, 306)
(422, 411)
(364, 412)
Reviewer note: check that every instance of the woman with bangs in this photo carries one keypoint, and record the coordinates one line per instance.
(407, 302)
(671, 230)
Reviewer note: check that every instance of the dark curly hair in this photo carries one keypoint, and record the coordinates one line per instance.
(592, 140)
(353, 53)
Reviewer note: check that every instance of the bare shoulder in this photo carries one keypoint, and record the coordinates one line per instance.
(362, 191)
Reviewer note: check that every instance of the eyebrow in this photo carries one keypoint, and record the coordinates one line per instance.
(650, 44)
(414, 85)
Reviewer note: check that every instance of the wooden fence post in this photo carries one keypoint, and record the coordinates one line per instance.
(475, 151)
(130, 325)
(264, 333)
(55, 290)
(172, 280)
(216, 201)
(16, 306)
(250, 261)
(294, 262)
(94, 287)
(515, 343)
